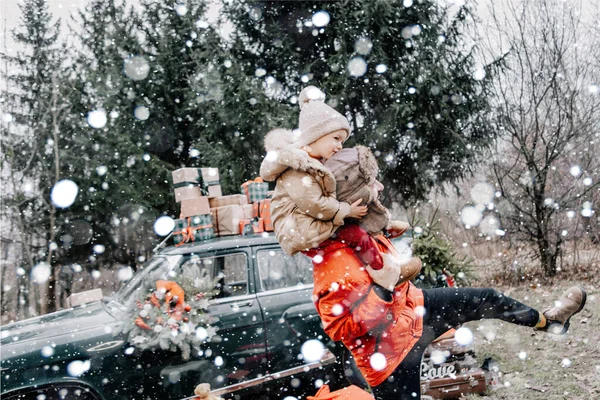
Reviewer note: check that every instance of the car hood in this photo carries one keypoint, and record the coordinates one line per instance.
(45, 328)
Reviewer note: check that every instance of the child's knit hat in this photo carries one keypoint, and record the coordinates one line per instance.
(355, 170)
(317, 119)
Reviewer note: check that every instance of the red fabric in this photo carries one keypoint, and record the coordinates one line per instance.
(359, 240)
(353, 313)
(348, 393)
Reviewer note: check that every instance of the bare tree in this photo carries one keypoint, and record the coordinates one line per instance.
(548, 105)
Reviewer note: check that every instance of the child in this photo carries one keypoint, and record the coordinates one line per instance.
(304, 209)
(355, 171)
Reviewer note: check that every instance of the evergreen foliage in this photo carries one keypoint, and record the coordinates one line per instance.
(32, 141)
(418, 105)
(175, 93)
(438, 256)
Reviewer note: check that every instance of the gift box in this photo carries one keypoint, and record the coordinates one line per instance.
(193, 229)
(197, 206)
(249, 211)
(202, 226)
(248, 226)
(221, 201)
(264, 212)
(255, 190)
(214, 191)
(227, 219)
(187, 192)
(202, 177)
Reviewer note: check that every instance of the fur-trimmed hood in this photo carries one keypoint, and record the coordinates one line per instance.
(283, 153)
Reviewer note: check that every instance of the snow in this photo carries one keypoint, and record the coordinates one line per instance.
(438, 356)
(471, 216)
(381, 68)
(363, 46)
(97, 119)
(357, 67)
(164, 225)
(575, 170)
(463, 336)
(201, 333)
(136, 68)
(312, 350)
(479, 74)
(125, 273)
(141, 112)
(40, 273)
(378, 361)
(78, 368)
(181, 9)
(101, 170)
(320, 19)
(47, 351)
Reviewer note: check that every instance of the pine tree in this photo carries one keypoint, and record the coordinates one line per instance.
(401, 71)
(31, 148)
(141, 72)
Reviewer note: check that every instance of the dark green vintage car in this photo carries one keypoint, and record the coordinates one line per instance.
(263, 314)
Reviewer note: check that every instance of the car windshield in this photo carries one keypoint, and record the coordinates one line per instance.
(157, 268)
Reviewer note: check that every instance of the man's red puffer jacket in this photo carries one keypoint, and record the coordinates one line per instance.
(353, 313)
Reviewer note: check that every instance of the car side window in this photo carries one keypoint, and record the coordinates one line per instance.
(278, 270)
(228, 272)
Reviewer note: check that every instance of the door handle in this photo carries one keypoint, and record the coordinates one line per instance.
(248, 303)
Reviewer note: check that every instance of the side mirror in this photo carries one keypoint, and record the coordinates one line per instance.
(89, 296)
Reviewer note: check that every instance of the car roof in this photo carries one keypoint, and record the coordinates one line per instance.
(221, 243)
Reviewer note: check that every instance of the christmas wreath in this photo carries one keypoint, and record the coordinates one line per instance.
(172, 316)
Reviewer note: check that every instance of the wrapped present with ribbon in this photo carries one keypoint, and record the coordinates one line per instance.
(193, 229)
(255, 190)
(207, 179)
(248, 226)
(232, 199)
(264, 212)
(227, 219)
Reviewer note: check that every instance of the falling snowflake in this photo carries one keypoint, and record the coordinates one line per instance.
(136, 68)
(378, 361)
(320, 19)
(97, 119)
(164, 225)
(357, 67)
(312, 350)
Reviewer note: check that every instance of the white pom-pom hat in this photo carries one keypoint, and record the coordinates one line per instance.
(317, 119)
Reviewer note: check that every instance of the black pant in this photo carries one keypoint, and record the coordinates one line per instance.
(447, 308)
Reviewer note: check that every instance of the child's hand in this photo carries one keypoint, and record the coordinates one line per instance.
(356, 210)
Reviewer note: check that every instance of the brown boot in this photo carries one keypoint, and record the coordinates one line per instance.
(569, 304)
(409, 269)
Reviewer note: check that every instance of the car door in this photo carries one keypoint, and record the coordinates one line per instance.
(284, 290)
(237, 351)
